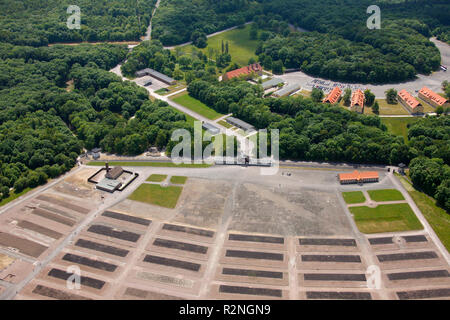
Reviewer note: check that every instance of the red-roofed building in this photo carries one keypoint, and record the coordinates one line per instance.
(245, 71)
(410, 103)
(432, 97)
(333, 96)
(359, 177)
(357, 103)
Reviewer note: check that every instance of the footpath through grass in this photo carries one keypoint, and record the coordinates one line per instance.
(386, 218)
(149, 164)
(437, 217)
(353, 197)
(197, 106)
(155, 194)
(385, 195)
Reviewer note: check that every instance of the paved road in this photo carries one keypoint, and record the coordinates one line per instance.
(148, 34)
(247, 145)
(420, 216)
(11, 291)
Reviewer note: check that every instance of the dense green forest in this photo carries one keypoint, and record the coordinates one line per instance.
(176, 20)
(308, 130)
(39, 22)
(151, 54)
(317, 132)
(45, 126)
(341, 48)
(431, 171)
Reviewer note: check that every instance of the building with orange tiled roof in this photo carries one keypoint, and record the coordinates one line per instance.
(359, 177)
(357, 102)
(410, 103)
(245, 71)
(333, 96)
(432, 98)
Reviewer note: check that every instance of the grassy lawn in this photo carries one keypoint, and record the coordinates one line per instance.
(385, 218)
(157, 178)
(385, 195)
(149, 164)
(193, 104)
(225, 124)
(155, 194)
(387, 109)
(241, 48)
(162, 91)
(437, 217)
(426, 106)
(398, 126)
(305, 93)
(14, 196)
(354, 197)
(190, 120)
(178, 180)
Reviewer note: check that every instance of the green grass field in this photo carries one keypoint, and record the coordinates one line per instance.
(155, 194)
(426, 106)
(157, 178)
(225, 124)
(437, 217)
(178, 180)
(388, 109)
(193, 104)
(353, 197)
(149, 164)
(398, 126)
(14, 196)
(241, 48)
(385, 218)
(385, 195)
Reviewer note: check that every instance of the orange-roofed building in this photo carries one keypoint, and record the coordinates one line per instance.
(357, 103)
(245, 71)
(333, 96)
(410, 103)
(359, 177)
(432, 98)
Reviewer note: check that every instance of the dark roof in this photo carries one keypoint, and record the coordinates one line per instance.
(154, 74)
(239, 123)
(213, 129)
(114, 173)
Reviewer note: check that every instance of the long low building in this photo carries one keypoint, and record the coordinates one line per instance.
(249, 70)
(432, 98)
(157, 75)
(359, 177)
(333, 96)
(287, 90)
(410, 103)
(240, 124)
(210, 128)
(357, 102)
(271, 83)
